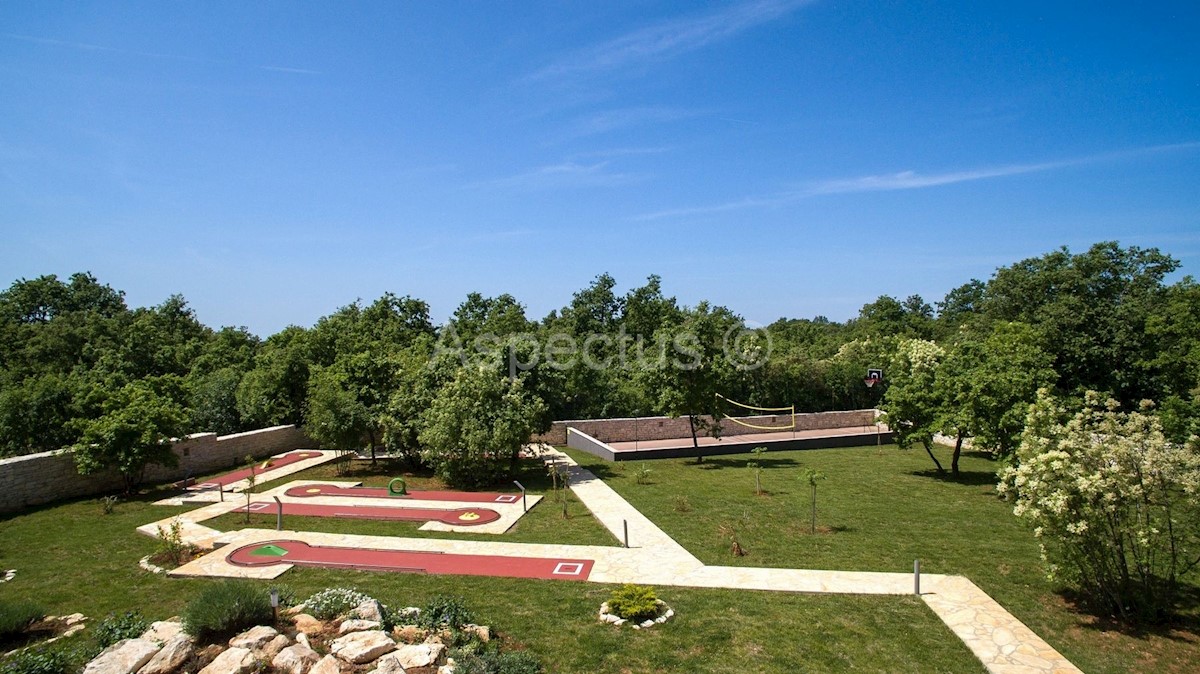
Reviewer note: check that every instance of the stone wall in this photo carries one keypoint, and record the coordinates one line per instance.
(662, 428)
(50, 476)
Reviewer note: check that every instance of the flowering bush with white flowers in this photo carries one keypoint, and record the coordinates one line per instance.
(1114, 505)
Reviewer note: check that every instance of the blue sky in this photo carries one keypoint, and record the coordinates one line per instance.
(273, 161)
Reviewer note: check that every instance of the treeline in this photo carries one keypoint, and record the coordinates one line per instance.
(72, 352)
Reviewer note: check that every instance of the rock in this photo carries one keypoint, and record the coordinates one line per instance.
(273, 647)
(362, 647)
(236, 660)
(124, 657)
(74, 619)
(302, 639)
(388, 664)
(355, 625)
(72, 631)
(410, 634)
(419, 655)
(408, 614)
(368, 610)
(308, 624)
(254, 638)
(480, 632)
(297, 659)
(327, 665)
(647, 623)
(176, 651)
(162, 631)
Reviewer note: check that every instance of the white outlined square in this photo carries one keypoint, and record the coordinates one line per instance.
(507, 498)
(568, 569)
(259, 505)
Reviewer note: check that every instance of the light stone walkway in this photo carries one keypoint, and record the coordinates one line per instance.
(271, 474)
(1001, 642)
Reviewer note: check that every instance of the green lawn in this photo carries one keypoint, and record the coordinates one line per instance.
(71, 557)
(878, 510)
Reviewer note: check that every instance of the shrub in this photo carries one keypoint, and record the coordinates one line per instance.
(15, 616)
(38, 661)
(1115, 506)
(495, 662)
(226, 608)
(633, 602)
(333, 602)
(172, 549)
(113, 628)
(442, 611)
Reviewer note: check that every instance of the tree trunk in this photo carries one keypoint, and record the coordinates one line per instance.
(695, 440)
(929, 451)
(957, 452)
(371, 437)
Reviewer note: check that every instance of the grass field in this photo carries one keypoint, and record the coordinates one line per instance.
(879, 509)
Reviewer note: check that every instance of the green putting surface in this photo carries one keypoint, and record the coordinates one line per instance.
(269, 551)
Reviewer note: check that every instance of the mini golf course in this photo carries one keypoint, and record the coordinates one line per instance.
(309, 490)
(299, 553)
(457, 516)
(261, 470)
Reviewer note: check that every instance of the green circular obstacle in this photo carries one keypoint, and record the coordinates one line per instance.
(402, 491)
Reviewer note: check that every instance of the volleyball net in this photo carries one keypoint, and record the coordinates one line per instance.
(790, 410)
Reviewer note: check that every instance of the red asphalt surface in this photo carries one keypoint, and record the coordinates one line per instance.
(382, 492)
(405, 561)
(465, 517)
(230, 478)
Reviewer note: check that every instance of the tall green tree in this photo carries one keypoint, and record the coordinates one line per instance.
(913, 406)
(476, 424)
(135, 430)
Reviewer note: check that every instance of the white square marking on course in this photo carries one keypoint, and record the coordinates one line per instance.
(506, 498)
(260, 505)
(568, 569)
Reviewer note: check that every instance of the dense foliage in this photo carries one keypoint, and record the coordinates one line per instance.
(80, 368)
(226, 608)
(1114, 504)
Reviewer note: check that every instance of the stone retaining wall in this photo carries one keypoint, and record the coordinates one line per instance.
(40, 478)
(662, 428)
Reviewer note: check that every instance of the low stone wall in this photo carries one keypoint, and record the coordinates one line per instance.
(35, 479)
(663, 428)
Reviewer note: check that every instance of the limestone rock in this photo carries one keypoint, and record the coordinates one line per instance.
(362, 647)
(355, 625)
(388, 664)
(236, 660)
(327, 665)
(480, 632)
(296, 659)
(419, 655)
(273, 647)
(176, 651)
(162, 631)
(368, 610)
(124, 657)
(410, 634)
(302, 639)
(308, 624)
(254, 638)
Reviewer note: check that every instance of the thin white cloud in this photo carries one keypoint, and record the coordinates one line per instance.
(904, 180)
(567, 174)
(670, 38)
(624, 118)
(285, 69)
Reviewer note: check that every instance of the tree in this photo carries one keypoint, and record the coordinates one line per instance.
(275, 390)
(912, 406)
(134, 431)
(986, 383)
(337, 419)
(1092, 310)
(691, 367)
(476, 424)
(1113, 504)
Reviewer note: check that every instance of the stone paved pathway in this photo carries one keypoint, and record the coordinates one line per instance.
(1001, 642)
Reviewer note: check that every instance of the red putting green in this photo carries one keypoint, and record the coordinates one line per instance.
(458, 516)
(260, 469)
(382, 492)
(299, 553)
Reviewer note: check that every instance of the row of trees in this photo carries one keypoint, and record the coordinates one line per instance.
(381, 375)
